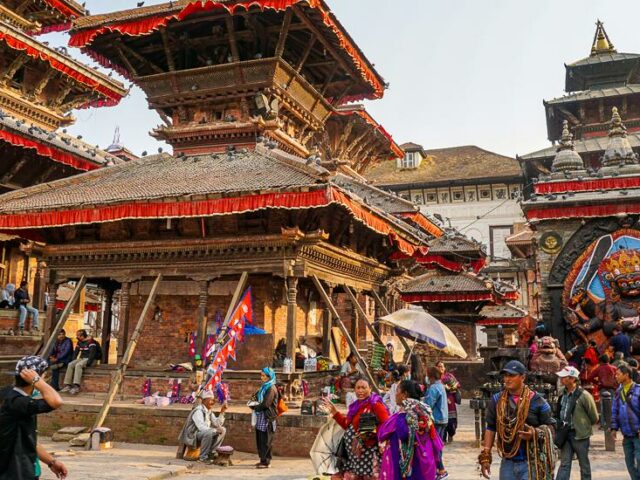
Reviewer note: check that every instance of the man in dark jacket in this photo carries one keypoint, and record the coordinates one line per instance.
(625, 416)
(84, 355)
(20, 456)
(620, 342)
(22, 301)
(59, 357)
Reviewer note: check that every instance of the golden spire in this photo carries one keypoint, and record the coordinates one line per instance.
(601, 42)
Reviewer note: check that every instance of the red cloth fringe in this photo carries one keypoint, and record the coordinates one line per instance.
(219, 206)
(587, 185)
(424, 222)
(62, 8)
(143, 26)
(54, 154)
(583, 211)
(447, 297)
(18, 44)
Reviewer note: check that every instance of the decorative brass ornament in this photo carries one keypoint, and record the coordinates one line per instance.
(551, 243)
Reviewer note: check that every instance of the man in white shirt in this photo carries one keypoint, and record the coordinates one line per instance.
(204, 428)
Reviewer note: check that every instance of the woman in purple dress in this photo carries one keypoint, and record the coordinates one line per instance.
(412, 443)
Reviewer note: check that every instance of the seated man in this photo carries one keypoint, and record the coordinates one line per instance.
(7, 300)
(85, 354)
(22, 300)
(203, 428)
(59, 357)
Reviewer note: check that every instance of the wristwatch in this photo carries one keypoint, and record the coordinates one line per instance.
(35, 380)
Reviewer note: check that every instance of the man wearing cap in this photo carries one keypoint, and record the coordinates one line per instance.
(520, 423)
(204, 428)
(575, 417)
(19, 452)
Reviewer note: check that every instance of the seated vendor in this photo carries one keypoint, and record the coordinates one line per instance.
(204, 429)
(351, 366)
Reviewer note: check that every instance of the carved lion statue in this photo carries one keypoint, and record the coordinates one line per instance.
(548, 359)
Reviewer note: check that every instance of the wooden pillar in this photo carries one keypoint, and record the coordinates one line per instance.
(355, 320)
(203, 296)
(51, 318)
(107, 319)
(292, 293)
(125, 291)
(39, 286)
(327, 324)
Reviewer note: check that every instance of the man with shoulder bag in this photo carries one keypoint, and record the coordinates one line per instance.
(575, 416)
(625, 416)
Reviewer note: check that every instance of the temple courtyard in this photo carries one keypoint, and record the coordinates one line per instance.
(153, 462)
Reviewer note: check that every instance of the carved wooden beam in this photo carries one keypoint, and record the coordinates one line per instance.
(40, 86)
(14, 66)
(306, 52)
(327, 45)
(327, 82)
(15, 168)
(233, 43)
(23, 6)
(62, 94)
(45, 175)
(132, 53)
(167, 49)
(125, 60)
(284, 32)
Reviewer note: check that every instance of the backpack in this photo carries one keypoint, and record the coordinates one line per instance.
(98, 351)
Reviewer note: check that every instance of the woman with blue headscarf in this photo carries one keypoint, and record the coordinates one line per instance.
(265, 407)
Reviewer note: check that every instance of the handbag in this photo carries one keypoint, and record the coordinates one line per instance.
(563, 428)
(368, 424)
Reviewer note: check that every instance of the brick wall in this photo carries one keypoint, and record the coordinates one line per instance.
(294, 437)
(164, 340)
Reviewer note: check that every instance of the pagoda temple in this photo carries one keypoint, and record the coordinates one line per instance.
(40, 87)
(583, 199)
(263, 179)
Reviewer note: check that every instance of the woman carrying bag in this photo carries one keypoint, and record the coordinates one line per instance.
(413, 445)
(265, 407)
(361, 423)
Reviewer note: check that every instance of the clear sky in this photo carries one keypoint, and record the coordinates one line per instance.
(460, 71)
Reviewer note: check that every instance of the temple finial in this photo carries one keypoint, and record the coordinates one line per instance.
(116, 136)
(617, 127)
(566, 159)
(619, 152)
(601, 42)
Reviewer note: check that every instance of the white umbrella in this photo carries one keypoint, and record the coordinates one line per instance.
(324, 451)
(423, 327)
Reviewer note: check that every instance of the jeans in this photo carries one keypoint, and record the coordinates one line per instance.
(209, 441)
(55, 374)
(510, 470)
(23, 316)
(581, 449)
(441, 428)
(631, 447)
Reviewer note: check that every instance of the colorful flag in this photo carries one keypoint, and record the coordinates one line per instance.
(235, 331)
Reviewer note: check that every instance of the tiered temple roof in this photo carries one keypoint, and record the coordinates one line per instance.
(40, 16)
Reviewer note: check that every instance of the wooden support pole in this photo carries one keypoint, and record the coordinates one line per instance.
(292, 318)
(383, 307)
(233, 43)
(202, 317)
(345, 332)
(118, 375)
(356, 304)
(63, 317)
(52, 299)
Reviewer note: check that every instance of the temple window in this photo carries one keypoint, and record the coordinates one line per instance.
(411, 160)
(498, 247)
(458, 195)
(432, 196)
(499, 192)
(444, 196)
(485, 192)
(471, 194)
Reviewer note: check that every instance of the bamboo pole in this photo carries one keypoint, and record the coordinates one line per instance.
(345, 332)
(63, 316)
(118, 375)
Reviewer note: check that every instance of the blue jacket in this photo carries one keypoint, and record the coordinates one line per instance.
(436, 398)
(63, 351)
(624, 415)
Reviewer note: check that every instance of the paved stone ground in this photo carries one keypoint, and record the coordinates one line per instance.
(140, 462)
